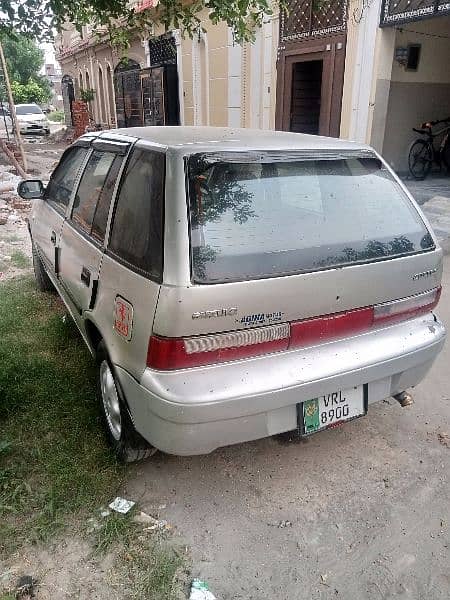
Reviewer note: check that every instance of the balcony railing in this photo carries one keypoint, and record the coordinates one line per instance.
(394, 12)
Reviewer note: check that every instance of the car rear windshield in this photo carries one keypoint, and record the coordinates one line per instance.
(269, 216)
(28, 109)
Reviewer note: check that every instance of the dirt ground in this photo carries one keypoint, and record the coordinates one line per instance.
(359, 512)
(42, 157)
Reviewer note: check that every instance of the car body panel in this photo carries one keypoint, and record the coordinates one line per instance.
(199, 410)
(78, 253)
(118, 282)
(46, 224)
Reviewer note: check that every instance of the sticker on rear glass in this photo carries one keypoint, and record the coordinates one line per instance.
(123, 318)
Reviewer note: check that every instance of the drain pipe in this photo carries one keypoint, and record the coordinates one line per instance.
(404, 399)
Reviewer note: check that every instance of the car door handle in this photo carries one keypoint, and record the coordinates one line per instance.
(53, 238)
(86, 276)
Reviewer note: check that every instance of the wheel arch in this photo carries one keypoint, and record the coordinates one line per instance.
(93, 334)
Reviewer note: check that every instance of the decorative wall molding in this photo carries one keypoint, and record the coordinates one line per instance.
(395, 12)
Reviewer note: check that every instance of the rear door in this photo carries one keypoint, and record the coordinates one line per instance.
(83, 233)
(132, 265)
(49, 214)
(280, 237)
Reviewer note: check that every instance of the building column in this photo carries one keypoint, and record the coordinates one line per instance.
(94, 84)
(146, 46)
(178, 39)
(196, 82)
(359, 69)
(234, 82)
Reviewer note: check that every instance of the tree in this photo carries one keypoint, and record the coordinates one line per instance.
(29, 92)
(23, 58)
(38, 19)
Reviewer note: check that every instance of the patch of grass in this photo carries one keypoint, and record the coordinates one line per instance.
(55, 467)
(54, 461)
(12, 238)
(152, 569)
(56, 116)
(20, 260)
(114, 529)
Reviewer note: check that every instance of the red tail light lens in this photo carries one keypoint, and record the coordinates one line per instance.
(180, 353)
(407, 308)
(314, 331)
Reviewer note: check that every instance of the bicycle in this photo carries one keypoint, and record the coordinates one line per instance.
(422, 153)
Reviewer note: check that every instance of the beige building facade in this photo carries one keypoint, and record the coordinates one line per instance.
(168, 79)
(331, 68)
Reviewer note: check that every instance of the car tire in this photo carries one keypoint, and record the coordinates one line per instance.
(43, 281)
(127, 444)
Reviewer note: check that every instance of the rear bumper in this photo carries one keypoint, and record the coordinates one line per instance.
(195, 411)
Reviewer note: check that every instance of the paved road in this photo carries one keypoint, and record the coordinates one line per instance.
(433, 195)
(367, 505)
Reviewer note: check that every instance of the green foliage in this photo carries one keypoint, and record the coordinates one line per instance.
(24, 60)
(55, 466)
(57, 116)
(20, 260)
(30, 92)
(54, 461)
(87, 95)
(38, 19)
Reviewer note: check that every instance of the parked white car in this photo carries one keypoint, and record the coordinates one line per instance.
(31, 119)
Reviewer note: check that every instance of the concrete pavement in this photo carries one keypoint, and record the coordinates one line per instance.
(433, 195)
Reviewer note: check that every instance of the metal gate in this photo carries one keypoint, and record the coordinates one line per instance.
(127, 84)
(153, 96)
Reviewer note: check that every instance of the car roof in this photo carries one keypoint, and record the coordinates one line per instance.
(190, 140)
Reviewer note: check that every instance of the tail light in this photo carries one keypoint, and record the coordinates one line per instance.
(180, 353)
(407, 308)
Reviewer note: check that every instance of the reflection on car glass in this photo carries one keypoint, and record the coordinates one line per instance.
(263, 219)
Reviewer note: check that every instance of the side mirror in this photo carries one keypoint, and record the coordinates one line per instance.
(31, 189)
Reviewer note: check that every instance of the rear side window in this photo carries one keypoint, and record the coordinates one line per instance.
(264, 219)
(93, 197)
(137, 230)
(62, 181)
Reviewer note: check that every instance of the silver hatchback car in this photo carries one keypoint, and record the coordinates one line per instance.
(236, 284)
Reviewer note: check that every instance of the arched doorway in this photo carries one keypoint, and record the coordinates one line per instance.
(127, 85)
(68, 95)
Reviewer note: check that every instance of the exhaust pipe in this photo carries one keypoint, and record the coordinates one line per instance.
(404, 399)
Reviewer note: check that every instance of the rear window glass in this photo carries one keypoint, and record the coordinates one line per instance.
(264, 219)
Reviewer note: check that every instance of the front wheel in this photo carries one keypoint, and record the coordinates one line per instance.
(127, 443)
(420, 159)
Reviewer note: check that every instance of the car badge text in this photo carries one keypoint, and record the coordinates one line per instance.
(424, 274)
(218, 312)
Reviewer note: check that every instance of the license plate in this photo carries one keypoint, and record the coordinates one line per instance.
(331, 409)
